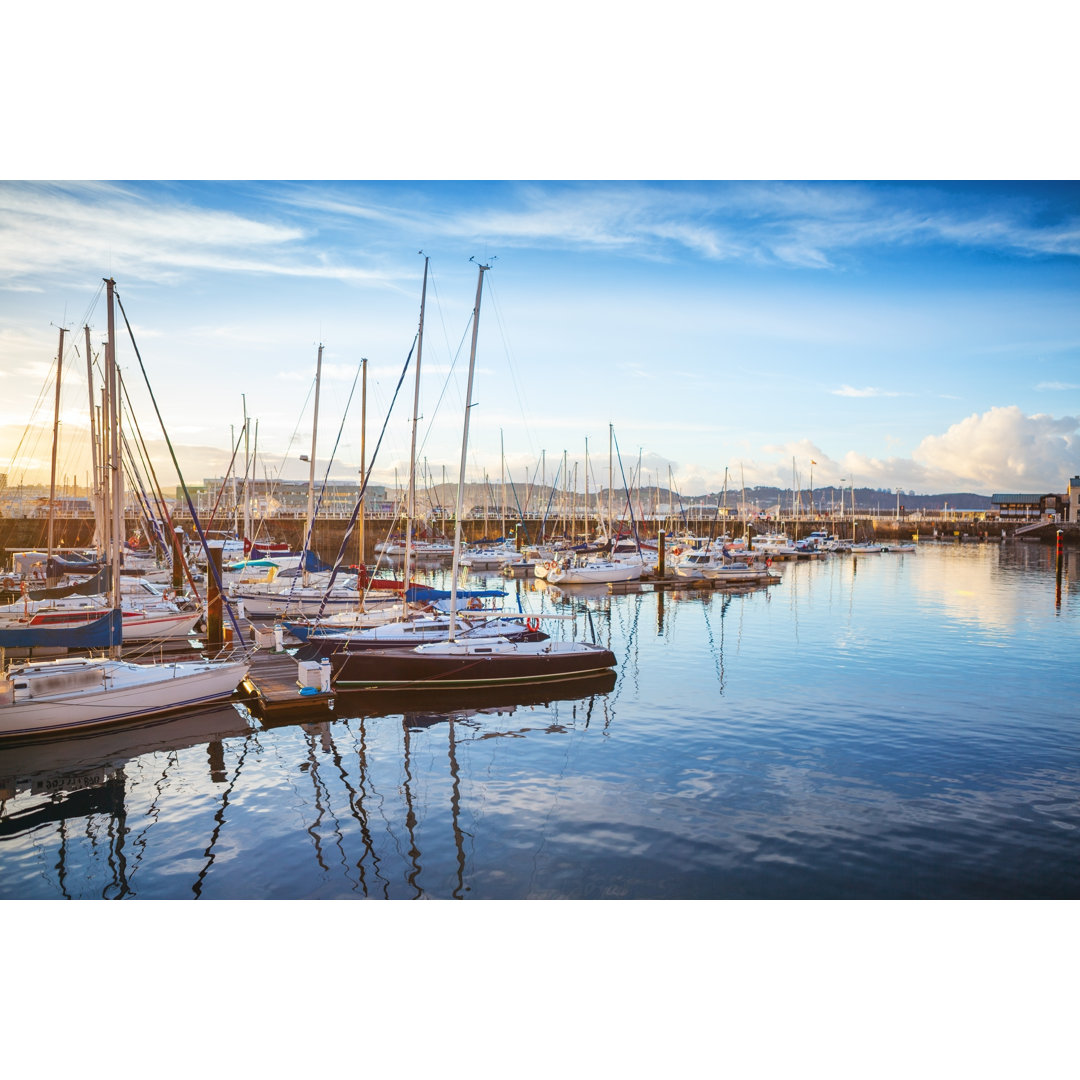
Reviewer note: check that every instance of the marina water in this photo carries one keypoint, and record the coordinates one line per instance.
(883, 726)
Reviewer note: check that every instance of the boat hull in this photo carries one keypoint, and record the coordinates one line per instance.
(599, 573)
(112, 691)
(478, 666)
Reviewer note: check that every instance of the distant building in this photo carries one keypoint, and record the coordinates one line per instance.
(270, 497)
(1017, 507)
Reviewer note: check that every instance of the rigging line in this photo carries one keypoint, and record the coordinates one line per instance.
(292, 437)
(629, 506)
(211, 566)
(329, 466)
(135, 475)
(228, 473)
(492, 292)
(363, 487)
(158, 493)
(446, 381)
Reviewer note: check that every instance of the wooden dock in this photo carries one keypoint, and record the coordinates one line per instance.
(272, 681)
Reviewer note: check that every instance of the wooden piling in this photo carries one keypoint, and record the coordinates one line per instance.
(178, 560)
(214, 629)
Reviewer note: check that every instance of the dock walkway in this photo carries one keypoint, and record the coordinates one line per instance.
(273, 681)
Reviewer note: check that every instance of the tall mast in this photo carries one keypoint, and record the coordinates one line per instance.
(502, 496)
(247, 471)
(96, 489)
(113, 459)
(610, 483)
(464, 452)
(311, 463)
(411, 508)
(55, 437)
(363, 457)
(586, 522)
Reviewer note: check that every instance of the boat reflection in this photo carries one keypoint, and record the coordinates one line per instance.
(440, 704)
(75, 762)
(49, 784)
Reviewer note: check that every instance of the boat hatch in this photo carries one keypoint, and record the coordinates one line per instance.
(63, 682)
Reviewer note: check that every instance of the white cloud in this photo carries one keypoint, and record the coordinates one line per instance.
(1003, 450)
(865, 392)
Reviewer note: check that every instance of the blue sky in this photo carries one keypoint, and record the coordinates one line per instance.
(917, 335)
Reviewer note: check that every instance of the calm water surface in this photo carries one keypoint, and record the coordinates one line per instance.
(872, 727)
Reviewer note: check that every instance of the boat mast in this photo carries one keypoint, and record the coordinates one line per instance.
(247, 471)
(52, 475)
(411, 506)
(94, 463)
(311, 470)
(610, 485)
(363, 457)
(113, 458)
(586, 522)
(464, 452)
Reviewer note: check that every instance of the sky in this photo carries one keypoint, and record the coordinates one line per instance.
(915, 335)
(694, 240)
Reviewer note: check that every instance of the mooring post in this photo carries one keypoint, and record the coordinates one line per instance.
(661, 537)
(178, 560)
(214, 629)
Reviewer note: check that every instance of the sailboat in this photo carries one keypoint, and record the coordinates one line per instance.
(283, 596)
(624, 560)
(74, 694)
(467, 662)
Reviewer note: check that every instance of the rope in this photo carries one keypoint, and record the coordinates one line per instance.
(210, 565)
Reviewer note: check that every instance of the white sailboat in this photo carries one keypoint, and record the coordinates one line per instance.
(74, 694)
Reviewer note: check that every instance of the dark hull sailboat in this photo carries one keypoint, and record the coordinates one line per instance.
(466, 665)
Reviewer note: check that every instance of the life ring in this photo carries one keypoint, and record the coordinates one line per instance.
(676, 551)
(532, 624)
(170, 594)
(474, 604)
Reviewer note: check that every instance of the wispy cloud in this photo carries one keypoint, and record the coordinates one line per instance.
(865, 392)
(1057, 386)
(43, 226)
(798, 225)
